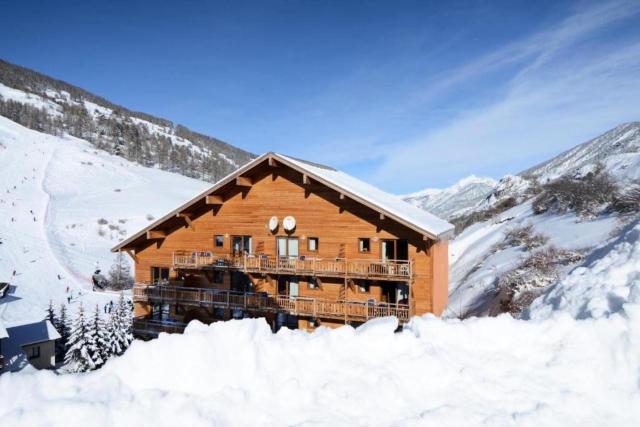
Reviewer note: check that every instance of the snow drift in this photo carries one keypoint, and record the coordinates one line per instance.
(489, 371)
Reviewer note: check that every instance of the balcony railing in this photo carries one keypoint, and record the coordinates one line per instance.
(151, 327)
(263, 302)
(300, 265)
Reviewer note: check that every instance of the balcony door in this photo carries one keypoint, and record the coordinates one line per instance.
(241, 245)
(288, 286)
(394, 249)
(159, 275)
(287, 252)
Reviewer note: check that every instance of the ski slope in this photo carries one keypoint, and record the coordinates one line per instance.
(63, 205)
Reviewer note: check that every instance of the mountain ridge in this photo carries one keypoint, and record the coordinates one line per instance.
(56, 107)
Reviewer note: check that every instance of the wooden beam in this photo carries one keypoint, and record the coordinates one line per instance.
(341, 196)
(305, 179)
(132, 254)
(272, 162)
(243, 181)
(381, 217)
(156, 234)
(213, 200)
(187, 219)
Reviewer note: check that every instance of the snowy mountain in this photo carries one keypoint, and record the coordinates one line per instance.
(63, 205)
(455, 200)
(55, 107)
(618, 150)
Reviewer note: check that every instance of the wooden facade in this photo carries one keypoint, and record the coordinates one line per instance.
(344, 262)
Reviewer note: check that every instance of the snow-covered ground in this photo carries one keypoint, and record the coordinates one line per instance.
(63, 205)
(482, 371)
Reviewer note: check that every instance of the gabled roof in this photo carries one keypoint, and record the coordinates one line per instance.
(387, 204)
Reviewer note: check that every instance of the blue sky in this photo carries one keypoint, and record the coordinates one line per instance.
(406, 95)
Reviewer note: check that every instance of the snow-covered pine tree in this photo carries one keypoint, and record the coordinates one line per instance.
(64, 330)
(120, 274)
(79, 357)
(51, 316)
(113, 342)
(122, 326)
(98, 345)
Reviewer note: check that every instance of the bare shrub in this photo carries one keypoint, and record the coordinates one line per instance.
(150, 217)
(465, 221)
(103, 221)
(122, 221)
(525, 236)
(113, 227)
(585, 195)
(101, 232)
(628, 201)
(517, 288)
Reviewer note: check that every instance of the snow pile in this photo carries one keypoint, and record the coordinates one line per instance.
(602, 285)
(492, 371)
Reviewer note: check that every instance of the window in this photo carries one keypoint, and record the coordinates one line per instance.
(218, 276)
(34, 352)
(364, 245)
(363, 287)
(219, 240)
(313, 283)
(313, 244)
(287, 246)
(241, 245)
(159, 275)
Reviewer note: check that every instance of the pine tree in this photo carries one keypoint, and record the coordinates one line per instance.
(62, 345)
(98, 344)
(51, 316)
(120, 274)
(79, 357)
(120, 327)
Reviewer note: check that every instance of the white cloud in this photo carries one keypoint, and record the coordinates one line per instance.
(570, 83)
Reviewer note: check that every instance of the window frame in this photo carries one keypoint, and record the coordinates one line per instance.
(361, 245)
(317, 242)
(221, 241)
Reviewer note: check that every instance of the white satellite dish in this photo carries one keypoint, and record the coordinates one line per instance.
(273, 223)
(289, 223)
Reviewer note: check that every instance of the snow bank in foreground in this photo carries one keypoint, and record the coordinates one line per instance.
(609, 278)
(481, 371)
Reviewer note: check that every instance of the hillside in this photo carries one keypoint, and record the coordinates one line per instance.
(535, 228)
(63, 205)
(55, 107)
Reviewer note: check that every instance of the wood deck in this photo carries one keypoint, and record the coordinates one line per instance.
(396, 270)
(262, 302)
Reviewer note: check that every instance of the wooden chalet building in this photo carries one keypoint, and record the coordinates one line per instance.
(297, 243)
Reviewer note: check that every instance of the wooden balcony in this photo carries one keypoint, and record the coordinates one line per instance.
(359, 311)
(398, 270)
(151, 327)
